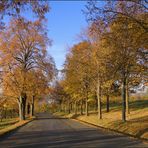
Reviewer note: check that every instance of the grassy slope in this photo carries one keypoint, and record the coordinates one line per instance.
(137, 120)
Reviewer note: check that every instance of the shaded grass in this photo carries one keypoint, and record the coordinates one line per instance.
(138, 104)
(14, 126)
(8, 122)
(133, 105)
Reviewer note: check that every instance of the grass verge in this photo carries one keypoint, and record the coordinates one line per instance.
(136, 125)
(8, 122)
(14, 126)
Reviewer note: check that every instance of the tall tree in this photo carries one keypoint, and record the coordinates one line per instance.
(78, 70)
(117, 23)
(23, 48)
(16, 8)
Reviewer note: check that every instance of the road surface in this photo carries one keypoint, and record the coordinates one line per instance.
(49, 131)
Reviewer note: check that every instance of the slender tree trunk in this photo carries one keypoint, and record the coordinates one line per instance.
(32, 106)
(124, 100)
(24, 105)
(99, 100)
(5, 113)
(62, 106)
(28, 108)
(107, 103)
(75, 107)
(96, 103)
(78, 106)
(81, 107)
(65, 108)
(127, 98)
(20, 108)
(86, 106)
(1, 114)
(69, 107)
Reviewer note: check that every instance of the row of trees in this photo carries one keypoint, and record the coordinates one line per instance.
(113, 57)
(26, 68)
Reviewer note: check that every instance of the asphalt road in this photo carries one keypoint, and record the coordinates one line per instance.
(49, 131)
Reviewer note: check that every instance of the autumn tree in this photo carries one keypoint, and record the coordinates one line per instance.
(79, 74)
(38, 85)
(59, 96)
(23, 48)
(117, 23)
(16, 8)
(134, 11)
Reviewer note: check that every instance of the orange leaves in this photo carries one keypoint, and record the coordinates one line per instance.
(26, 65)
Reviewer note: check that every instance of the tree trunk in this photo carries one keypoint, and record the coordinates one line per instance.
(81, 107)
(65, 108)
(32, 106)
(107, 103)
(69, 107)
(124, 100)
(96, 103)
(62, 106)
(127, 98)
(22, 106)
(28, 109)
(99, 99)
(86, 106)
(5, 113)
(75, 107)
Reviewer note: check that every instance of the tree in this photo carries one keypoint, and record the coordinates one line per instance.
(23, 48)
(116, 24)
(124, 56)
(37, 86)
(78, 70)
(134, 11)
(59, 96)
(16, 7)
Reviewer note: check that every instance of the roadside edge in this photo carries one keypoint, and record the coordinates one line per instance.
(14, 127)
(109, 129)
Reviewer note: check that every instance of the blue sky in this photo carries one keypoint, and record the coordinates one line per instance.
(65, 22)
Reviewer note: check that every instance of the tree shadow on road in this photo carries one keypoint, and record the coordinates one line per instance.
(84, 137)
(45, 118)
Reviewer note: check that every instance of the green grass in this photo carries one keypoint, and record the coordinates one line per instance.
(139, 104)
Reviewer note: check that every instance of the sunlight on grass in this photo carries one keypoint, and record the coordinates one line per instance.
(137, 120)
(136, 125)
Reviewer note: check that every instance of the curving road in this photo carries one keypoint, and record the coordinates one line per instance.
(49, 131)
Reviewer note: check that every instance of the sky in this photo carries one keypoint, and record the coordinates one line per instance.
(65, 22)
